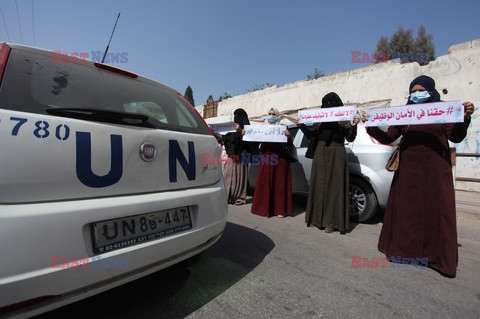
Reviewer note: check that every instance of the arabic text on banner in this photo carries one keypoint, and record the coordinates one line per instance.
(265, 133)
(331, 114)
(411, 114)
(222, 128)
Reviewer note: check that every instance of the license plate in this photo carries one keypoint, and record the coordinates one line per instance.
(123, 232)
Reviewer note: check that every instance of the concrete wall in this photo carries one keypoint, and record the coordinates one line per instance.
(383, 84)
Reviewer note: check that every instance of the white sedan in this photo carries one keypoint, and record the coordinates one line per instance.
(101, 179)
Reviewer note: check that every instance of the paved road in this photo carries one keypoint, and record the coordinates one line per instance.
(279, 268)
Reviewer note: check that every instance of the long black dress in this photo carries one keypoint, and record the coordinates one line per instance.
(328, 199)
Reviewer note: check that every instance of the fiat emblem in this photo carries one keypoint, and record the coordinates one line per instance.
(148, 151)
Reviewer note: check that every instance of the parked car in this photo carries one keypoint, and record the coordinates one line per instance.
(369, 180)
(101, 180)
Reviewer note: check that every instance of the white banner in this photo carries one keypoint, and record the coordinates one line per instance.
(222, 128)
(331, 114)
(265, 133)
(411, 114)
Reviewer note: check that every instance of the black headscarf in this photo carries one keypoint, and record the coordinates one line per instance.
(331, 100)
(233, 140)
(240, 117)
(326, 129)
(429, 84)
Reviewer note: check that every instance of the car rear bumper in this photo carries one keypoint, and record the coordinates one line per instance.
(32, 235)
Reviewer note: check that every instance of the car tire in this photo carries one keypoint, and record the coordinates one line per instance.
(363, 202)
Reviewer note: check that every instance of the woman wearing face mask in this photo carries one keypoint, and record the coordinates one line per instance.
(273, 190)
(328, 199)
(420, 219)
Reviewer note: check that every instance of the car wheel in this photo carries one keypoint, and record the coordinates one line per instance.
(363, 202)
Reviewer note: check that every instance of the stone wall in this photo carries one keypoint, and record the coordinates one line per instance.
(457, 77)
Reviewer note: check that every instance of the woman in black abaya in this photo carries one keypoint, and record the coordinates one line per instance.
(328, 199)
(420, 218)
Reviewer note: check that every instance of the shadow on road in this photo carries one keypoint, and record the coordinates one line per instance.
(377, 218)
(179, 290)
(299, 204)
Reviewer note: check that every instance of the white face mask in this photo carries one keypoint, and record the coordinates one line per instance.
(419, 97)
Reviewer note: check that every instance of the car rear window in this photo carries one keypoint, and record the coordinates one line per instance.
(293, 131)
(32, 83)
(305, 141)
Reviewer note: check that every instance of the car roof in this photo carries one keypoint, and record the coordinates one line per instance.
(89, 63)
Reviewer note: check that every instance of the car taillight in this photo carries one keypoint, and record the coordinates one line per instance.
(4, 52)
(374, 140)
(115, 70)
(377, 142)
(198, 114)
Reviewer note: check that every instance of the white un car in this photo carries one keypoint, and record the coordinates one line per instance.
(101, 179)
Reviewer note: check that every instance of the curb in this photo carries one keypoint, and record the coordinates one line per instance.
(467, 202)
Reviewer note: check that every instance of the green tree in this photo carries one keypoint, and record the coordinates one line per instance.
(189, 95)
(402, 41)
(224, 96)
(315, 74)
(383, 45)
(402, 45)
(424, 43)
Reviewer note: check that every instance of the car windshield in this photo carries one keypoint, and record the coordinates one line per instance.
(33, 83)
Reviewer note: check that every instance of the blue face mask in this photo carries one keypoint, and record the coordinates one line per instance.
(272, 119)
(419, 97)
